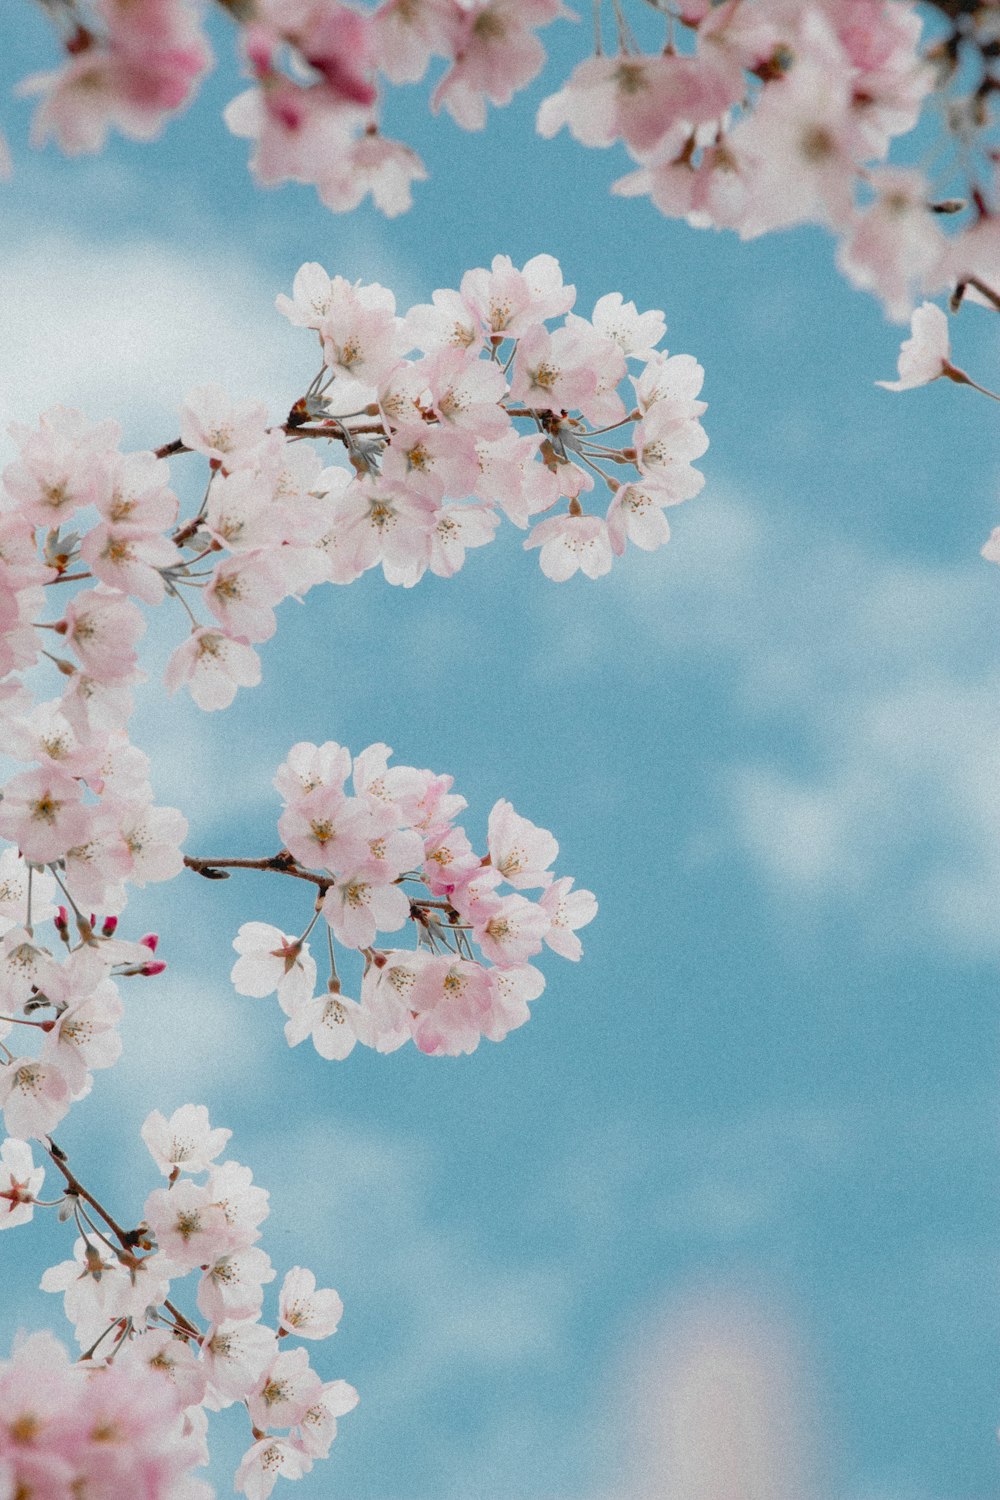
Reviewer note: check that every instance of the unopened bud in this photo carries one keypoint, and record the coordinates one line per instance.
(150, 941)
(148, 970)
(108, 929)
(61, 919)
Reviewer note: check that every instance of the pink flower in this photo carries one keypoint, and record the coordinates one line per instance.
(519, 851)
(457, 528)
(512, 932)
(571, 543)
(636, 513)
(567, 910)
(191, 1230)
(357, 909)
(318, 1427)
(184, 1143)
(213, 665)
(129, 558)
(102, 628)
(895, 244)
(243, 592)
(508, 302)
(42, 812)
(232, 1286)
(496, 54)
(285, 1391)
(265, 1461)
(304, 1311)
(408, 33)
(335, 1023)
(924, 356)
(34, 1097)
(371, 164)
(226, 432)
(236, 1353)
(557, 370)
(512, 990)
(59, 467)
(640, 100)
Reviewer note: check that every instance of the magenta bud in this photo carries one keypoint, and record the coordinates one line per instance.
(110, 923)
(93, 919)
(150, 941)
(154, 968)
(61, 918)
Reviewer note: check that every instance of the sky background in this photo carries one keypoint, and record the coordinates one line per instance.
(738, 1175)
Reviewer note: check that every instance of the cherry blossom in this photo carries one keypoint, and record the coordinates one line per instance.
(439, 993)
(137, 1403)
(304, 1311)
(924, 356)
(184, 1143)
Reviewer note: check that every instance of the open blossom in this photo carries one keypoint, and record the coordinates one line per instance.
(184, 1143)
(520, 851)
(335, 1024)
(567, 910)
(265, 1461)
(305, 1311)
(34, 1097)
(570, 544)
(924, 356)
(236, 1353)
(228, 433)
(213, 665)
(191, 1229)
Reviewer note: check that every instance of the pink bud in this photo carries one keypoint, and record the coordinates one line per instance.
(150, 941)
(154, 968)
(110, 923)
(61, 919)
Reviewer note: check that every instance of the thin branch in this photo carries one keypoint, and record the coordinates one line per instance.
(278, 864)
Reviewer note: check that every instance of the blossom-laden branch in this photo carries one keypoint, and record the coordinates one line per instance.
(371, 853)
(750, 115)
(137, 1401)
(435, 457)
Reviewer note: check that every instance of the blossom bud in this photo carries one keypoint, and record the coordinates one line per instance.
(108, 929)
(148, 970)
(61, 920)
(150, 940)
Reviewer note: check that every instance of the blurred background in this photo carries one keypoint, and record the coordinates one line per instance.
(721, 1222)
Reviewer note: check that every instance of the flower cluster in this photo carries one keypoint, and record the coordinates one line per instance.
(153, 1372)
(388, 854)
(95, 1429)
(750, 115)
(427, 407)
(424, 433)
(318, 69)
(71, 1004)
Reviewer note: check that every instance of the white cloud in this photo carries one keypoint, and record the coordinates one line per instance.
(871, 687)
(124, 329)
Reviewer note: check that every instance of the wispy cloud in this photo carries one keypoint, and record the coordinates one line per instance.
(858, 753)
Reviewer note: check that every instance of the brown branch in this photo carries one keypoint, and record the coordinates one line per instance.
(127, 1237)
(279, 864)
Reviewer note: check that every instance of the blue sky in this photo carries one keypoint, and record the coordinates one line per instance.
(755, 1130)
